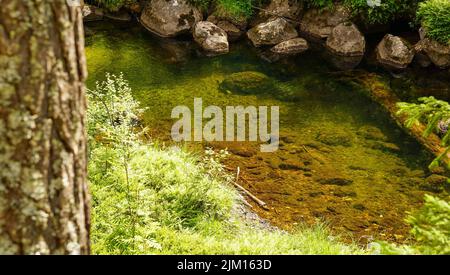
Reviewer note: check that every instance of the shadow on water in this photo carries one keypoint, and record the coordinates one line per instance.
(340, 159)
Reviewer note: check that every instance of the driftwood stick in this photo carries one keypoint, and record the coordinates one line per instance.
(248, 193)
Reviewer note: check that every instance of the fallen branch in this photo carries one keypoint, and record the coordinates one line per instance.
(248, 193)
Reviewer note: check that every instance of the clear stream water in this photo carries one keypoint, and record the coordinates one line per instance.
(340, 159)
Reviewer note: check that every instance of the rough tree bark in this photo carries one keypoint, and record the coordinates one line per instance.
(43, 188)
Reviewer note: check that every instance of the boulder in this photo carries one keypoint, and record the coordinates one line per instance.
(271, 33)
(317, 24)
(169, 18)
(438, 54)
(290, 9)
(394, 52)
(211, 38)
(290, 47)
(92, 13)
(233, 31)
(346, 46)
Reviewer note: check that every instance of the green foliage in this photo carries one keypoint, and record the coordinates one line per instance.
(319, 3)
(432, 112)
(111, 5)
(386, 12)
(152, 200)
(435, 18)
(430, 227)
(233, 8)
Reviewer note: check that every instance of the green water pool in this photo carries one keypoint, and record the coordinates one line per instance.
(340, 159)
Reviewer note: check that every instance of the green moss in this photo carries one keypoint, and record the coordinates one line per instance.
(247, 83)
(435, 18)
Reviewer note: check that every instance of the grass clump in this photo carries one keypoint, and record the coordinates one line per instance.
(430, 227)
(382, 12)
(147, 199)
(435, 18)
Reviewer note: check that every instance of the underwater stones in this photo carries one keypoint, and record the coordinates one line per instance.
(293, 165)
(169, 18)
(346, 46)
(211, 38)
(317, 24)
(246, 83)
(359, 206)
(335, 181)
(290, 47)
(92, 13)
(435, 183)
(242, 151)
(271, 33)
(372, 133)
(343, 194)
(394, 52)
(335, 138)
(384, 146)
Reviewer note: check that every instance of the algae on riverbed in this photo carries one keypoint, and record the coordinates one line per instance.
(340, 159)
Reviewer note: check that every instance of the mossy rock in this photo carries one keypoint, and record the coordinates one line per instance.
(248, 82)
(371, 133)
(335, 137)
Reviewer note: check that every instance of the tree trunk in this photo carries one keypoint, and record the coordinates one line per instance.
(43, 187)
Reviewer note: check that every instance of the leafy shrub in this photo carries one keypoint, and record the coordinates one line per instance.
(430, 227)
(382, 12)
(435, 18)
(319, 3)
(432, 112)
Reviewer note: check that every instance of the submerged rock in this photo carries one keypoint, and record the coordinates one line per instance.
(317, 24)
(346, 46)
(335, 181)
(168, 18)
(394, 52)
(211, 38)
(384, 146)
(335, 138)
(271, 33)
(372, 133)
(247, 83)
(290, 47)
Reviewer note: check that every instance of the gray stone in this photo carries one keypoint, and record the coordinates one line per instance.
(169, 18)
(346, 45)
(317, 24)
(290, 47)
(272, 32)
(211, 38)
(394, 52)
